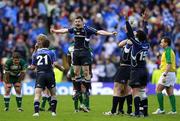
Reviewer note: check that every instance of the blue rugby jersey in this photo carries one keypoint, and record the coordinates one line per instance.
(82, 36)
(43, 59)
(139, 48)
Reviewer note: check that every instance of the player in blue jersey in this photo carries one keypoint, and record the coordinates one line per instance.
(139, 74)
(81, 54)
(122, 91)
(43, 61)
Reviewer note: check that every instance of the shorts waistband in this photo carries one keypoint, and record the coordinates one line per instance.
(125, 65)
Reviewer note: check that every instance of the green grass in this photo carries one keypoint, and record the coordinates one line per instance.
(65, 110)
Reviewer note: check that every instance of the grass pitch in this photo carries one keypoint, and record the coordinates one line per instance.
(98, 104)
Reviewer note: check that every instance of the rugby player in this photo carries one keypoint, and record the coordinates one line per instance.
(121, 89)
(82, 55)
(14, 74)
(139, 73)
(43, 60)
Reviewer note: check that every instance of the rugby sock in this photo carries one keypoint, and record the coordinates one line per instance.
(87, 101)
(173, 102)
(136, 104)
(6, 101)
(75, 100)
(53, 105)
(19, 100)
(76, 104)
(145, 106)
(160, 100)
(44, 99)
(85, 98)
(141, 106)
(49, 100)
(121, 103)
(115, 102)
(129, 103)
(88, 94)
(36, 106)
(80, 98)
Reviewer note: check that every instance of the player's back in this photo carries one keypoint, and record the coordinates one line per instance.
(139, 54)
(44, 59)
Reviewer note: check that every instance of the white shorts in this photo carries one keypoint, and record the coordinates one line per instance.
(170, 79)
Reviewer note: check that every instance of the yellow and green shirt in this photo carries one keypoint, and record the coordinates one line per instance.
(168, 57)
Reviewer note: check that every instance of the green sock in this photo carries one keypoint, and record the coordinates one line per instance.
(87, 102)
(81, 99)
(19, 101)
(76, 104)
(84, 98)
(6, 101)
(44, 99)
(173, 102)
(49, 100)
(160, 100)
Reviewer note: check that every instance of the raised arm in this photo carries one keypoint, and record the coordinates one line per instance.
(145, 16)
(145, 24)
(106, 33)
(130, 33)
(59, 31)
(129, 30)
(122, 43)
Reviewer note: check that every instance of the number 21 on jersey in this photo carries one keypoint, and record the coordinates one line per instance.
(42, 60)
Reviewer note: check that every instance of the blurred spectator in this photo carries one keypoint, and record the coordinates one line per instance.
(21, 48)
(110, 70)
(22, 20)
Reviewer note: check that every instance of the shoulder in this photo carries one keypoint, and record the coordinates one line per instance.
(9, 61)
(89, 28)
(52, 52)
(168, 50)
(34, 53)
(22, 61)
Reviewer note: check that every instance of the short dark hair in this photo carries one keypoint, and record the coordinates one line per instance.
(79, 17)
(141, 35)
(15, 55)
(167, 40)
(45, 43)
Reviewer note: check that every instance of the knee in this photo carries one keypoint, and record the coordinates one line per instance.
(37, 97)
(18, 85)
(158, 90)
(87, 76)
(53, 97)
(18, 91)
(77, 72)
(116, 90)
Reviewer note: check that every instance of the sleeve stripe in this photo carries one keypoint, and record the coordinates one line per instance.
(168, 55)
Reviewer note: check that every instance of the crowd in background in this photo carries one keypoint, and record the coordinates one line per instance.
(22, 20)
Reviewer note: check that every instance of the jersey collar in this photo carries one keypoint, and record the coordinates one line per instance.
(42, 49)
